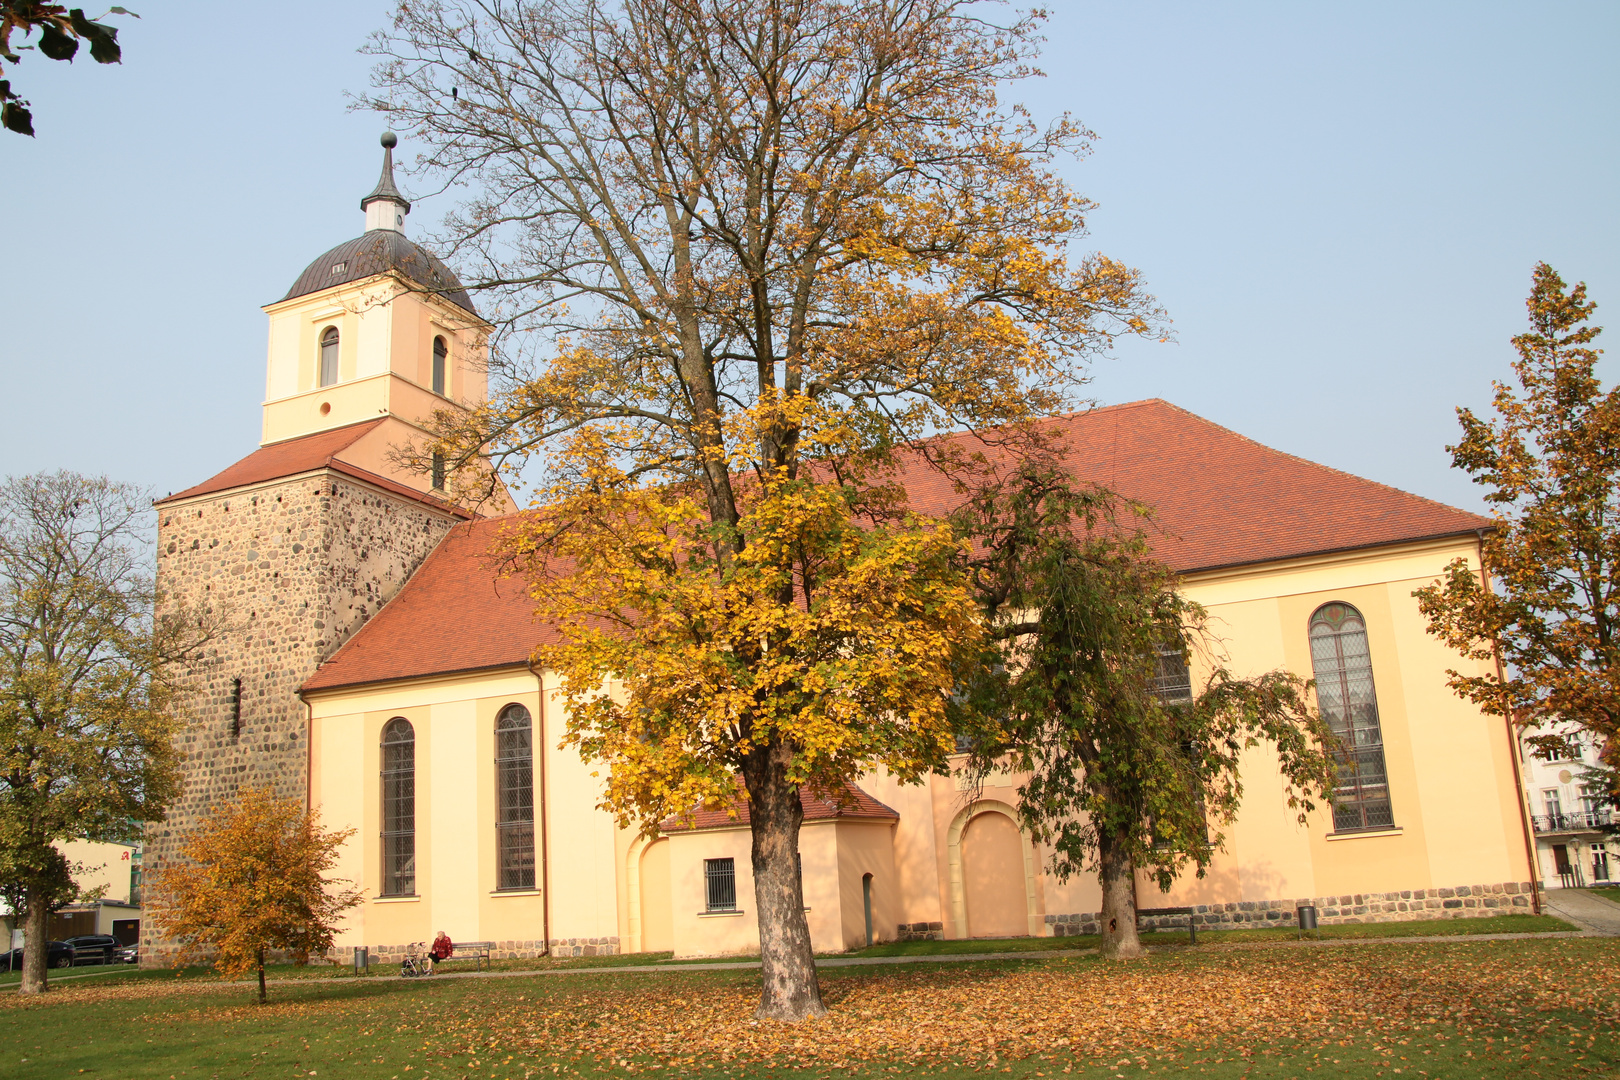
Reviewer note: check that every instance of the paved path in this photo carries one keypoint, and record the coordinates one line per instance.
(1591, 913)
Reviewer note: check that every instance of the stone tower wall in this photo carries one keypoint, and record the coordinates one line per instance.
(295, 567)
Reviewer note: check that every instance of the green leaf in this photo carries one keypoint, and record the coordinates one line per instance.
(55, 44)
(13, 117)
(122, 11)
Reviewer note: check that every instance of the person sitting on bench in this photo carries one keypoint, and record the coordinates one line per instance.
(442, 948)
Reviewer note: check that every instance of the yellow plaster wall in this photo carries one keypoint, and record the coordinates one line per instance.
(1450, 768)
(383, 332)
(865, 847)
(455, 815)
(695, 932)
(916, 857)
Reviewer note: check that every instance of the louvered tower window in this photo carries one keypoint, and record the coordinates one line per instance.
(329, 356)
(398, 808)
(1349, 703)
(514, 795)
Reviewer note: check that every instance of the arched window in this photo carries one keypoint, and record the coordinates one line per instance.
(1349, 703)
(514, 799)
(329, 356)
(440, 353)
(398, 808)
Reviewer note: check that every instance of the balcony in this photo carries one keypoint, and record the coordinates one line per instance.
(1576, 821)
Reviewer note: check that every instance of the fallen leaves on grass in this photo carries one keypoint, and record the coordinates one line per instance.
(1366, 996)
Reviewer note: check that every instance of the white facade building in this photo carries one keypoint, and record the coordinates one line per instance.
(1569, 815)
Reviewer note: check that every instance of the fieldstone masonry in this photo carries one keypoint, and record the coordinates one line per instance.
(295, 567)
(1406, 905)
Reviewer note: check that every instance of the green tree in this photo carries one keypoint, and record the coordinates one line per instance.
(251, 879)
(88, 690)
(760, 244)
(1087, 689)
(60, 32)
(1550, 602)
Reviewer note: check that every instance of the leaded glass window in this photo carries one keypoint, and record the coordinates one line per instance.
(1349, 703)
(398, 808)
(329, 356)
(514, 799)
(1172, 682)
(441, 352)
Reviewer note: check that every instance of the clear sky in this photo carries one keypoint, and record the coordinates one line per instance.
(1340, 206)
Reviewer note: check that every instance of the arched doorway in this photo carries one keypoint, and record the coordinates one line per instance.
(993, 877)
(657, 919)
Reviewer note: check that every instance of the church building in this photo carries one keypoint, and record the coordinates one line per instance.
(379, 666)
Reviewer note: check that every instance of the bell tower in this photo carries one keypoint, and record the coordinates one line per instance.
(302, 541)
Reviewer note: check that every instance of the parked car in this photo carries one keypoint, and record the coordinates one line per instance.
(59, 954)
(128, 954)
(95, 948)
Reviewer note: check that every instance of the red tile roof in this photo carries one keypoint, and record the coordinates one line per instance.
(456, 613)
(851, 804)
(306, 454)
(1222, 500)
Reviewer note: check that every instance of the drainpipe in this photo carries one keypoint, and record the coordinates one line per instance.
(1513, 751)
(545, 796)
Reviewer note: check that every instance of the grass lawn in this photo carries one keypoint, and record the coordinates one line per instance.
(1608, 892)
(1500, 1010)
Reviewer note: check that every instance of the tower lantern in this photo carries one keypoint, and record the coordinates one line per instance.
(385, 207)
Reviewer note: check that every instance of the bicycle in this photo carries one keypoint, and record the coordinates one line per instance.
(416, 962)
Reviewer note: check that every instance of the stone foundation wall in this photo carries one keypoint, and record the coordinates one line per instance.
(922, 931)
(295, 567)
(1405, 905)
(502, 950)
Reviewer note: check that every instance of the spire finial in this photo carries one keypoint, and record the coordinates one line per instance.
(385, 207)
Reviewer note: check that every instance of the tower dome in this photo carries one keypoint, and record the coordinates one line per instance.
(382, 248)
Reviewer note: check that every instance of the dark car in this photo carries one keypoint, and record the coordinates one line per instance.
(59, 954)
(129, 954)
(95, 949)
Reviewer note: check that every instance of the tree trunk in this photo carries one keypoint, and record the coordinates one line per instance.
(791, 991)
(36, 949)
(1117, 874)
(261, 976)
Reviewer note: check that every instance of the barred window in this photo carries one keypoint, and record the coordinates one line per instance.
(398, 808)
(1349, 703)
(440, 353)
(329, 356)
(720, 883)
(514, 799)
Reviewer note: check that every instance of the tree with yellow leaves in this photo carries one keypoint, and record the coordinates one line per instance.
(249, 880)
(743, 251)
(1551, 462)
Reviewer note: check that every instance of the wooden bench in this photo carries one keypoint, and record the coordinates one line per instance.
(476, 951)
(1156, 912)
